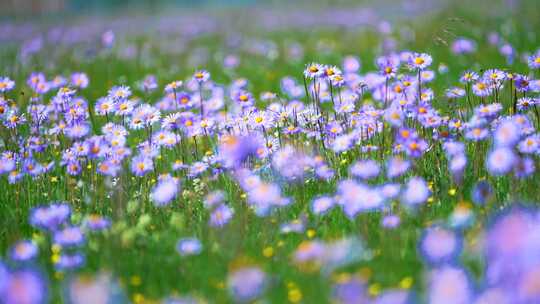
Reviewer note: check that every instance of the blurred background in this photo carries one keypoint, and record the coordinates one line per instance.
(44, 8)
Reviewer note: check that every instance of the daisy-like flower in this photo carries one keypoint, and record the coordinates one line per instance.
(416, 192)
(96, 222)
(173, 86)
(24, 286)
(243, 98)
(500, 161)
(388, 66)
(419, 61)
(322, 205)
(149, 83)
(314, 70)
(439, 245)
(449, 285)
(494, 76)
(6, 84)
(469, 77)
(365, 169)
(141, 164)
(165, 191)
(522, 83)
(23, 251)
(79, 80)
(415, 147)
(246, 284)
(69, 261)
(525, 103)
(201, 76)
(455, 92)
(530, 144)
(481, 89)
(221, 216)
(261, 119)
(104, 106)
(463, 46)
(13, 119)
(197, 168)
(188, 246)
(69, 237)
(119, 93)
(50, 217)
(476, 134)
(331, 71)
(506, 134)
(390, 221)
(534, 60)
(356, 197)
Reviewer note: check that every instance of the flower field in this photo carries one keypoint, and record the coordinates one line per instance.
(371, 152)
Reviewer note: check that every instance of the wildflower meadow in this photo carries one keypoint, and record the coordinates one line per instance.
(271, 152)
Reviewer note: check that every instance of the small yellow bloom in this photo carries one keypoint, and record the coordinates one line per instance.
(374, 289)
(310, 233)
(430, 199)
(295, 295)
(138, 298)
(55, 258)
(406, 283)
(268, 252)
(452, 192)
(280, 243)
(56, 248)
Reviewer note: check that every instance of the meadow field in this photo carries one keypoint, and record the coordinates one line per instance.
(358, 152)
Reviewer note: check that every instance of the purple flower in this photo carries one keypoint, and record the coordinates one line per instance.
(449, 285)
(322, 205)
(69, 237)
(391, 221)
(6, 84)
(201, 76)
(365, 169)
(140, 165)
(70, 261)
(188, 246)
(50, 217)
(463, 46)
(79, 80)
(416, 192)
(96, 222)
(356, 197)
(482, 192)
(419, 61)
(534, 60)
(500, 161)
(439, 245)
(246, 284)
(165, 191)
(24, 251)
(396, 166)
(221, 216)
(507, 134)
(24, 286)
